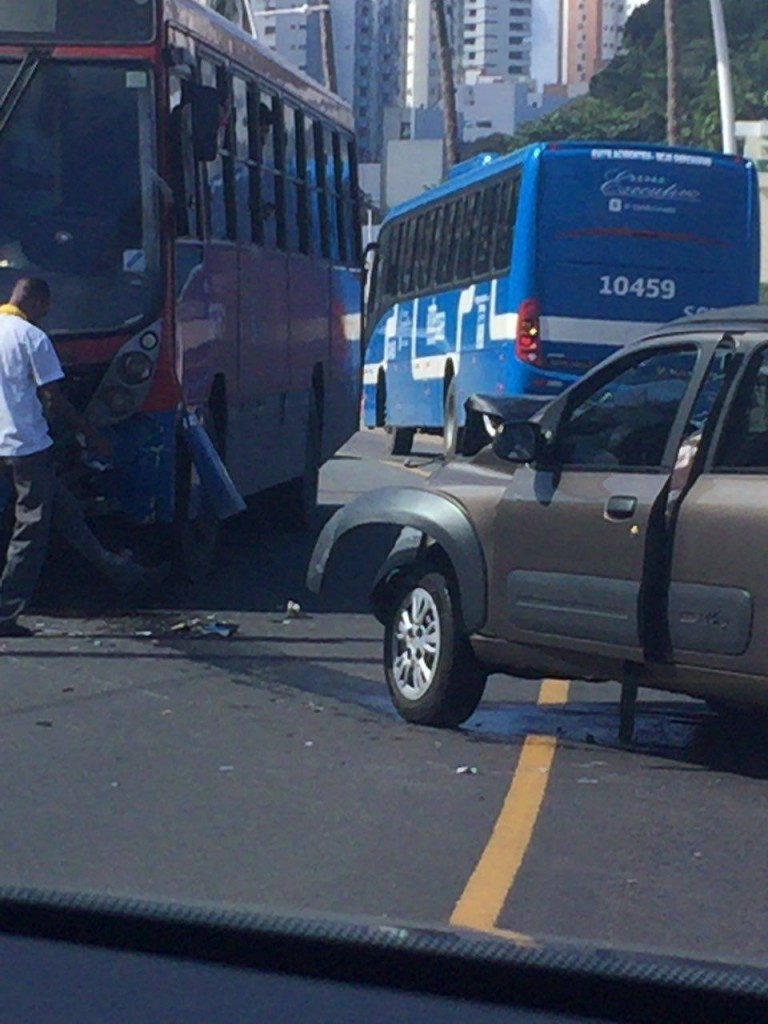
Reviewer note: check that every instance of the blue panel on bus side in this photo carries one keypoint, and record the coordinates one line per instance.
(144, 458)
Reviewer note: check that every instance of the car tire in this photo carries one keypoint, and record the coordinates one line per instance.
(453, 434)
(432, 674)
(400, 440)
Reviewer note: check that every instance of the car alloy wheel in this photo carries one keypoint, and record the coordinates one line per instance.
(432, 673)
(416, 642)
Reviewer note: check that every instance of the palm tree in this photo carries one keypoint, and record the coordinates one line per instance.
(447, 86)
(670, 34)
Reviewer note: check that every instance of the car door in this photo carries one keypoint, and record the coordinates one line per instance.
(580, 533)
(718, 597)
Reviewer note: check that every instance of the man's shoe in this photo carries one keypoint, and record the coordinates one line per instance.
(14, 628)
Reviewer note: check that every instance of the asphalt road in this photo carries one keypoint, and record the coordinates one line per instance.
(268, 768)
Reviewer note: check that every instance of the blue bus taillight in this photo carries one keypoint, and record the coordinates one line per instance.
(528, 339)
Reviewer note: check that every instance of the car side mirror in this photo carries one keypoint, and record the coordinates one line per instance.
(518, 442)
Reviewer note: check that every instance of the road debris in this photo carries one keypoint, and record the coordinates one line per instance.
(466, 769)
(225, 629)
(292, 611)
(203, 627)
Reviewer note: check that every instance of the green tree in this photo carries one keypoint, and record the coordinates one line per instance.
(628, 99)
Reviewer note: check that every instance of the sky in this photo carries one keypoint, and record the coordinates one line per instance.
(544, 32)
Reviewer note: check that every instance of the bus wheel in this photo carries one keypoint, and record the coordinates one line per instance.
(197, 530)
(453, 434)
(400, 440)
(298, 498)
(432, 674)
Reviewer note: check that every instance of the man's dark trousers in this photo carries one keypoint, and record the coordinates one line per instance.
(34, 478)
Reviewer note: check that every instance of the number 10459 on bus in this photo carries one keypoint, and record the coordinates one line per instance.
(641, 287)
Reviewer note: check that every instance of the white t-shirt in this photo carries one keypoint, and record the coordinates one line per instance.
(28, 361)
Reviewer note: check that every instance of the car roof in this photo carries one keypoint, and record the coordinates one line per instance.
(733, 318)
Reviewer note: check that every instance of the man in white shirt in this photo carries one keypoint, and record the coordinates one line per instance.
(28, 361)
(30, 372)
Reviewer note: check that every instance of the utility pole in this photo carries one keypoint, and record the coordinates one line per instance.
(670, 34)
(723, 77)
(447, 86)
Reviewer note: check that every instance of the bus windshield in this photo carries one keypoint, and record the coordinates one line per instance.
(79, 194)
(77, 21)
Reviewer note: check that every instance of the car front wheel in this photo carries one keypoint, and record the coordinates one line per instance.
(432, 674)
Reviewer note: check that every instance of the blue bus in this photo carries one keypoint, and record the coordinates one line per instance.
(520, 272)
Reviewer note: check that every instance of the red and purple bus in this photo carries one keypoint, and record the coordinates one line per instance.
(191, 199)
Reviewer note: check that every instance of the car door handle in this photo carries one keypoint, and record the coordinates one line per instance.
(620, 506)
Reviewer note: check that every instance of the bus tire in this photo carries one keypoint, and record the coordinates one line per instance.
(400, 440)
(299, 496)
(432, 674)
(196, 532)
(453, 434)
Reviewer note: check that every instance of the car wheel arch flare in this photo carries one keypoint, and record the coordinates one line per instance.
(439, 517)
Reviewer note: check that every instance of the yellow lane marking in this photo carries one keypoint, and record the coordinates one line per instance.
(486, 891)
(553, 691)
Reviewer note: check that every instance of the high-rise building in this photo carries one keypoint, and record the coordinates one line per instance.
(283, 26)
(591, 34)
(497, 38)
(378, 69)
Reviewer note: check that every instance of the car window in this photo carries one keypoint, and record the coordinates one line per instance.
(744, 442)
(625, 422)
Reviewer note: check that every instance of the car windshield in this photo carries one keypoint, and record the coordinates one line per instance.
(79, 199)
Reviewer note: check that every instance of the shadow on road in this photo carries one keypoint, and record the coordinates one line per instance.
(685, 733)
(262, 565)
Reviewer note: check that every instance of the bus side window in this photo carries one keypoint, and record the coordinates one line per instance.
(349, 197)
(269, 213)
(419, 253)
(292, 190)
(224, 85)
(319, 196)
(242, 159)
(446, 258)
(182, 166)
(489, 211)
(330, 187)
(466, 239)
(338, 168)
(505, 228)
(214, 182)
(436, 246)
(310, 178)
(391, 272)
(406, 258)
